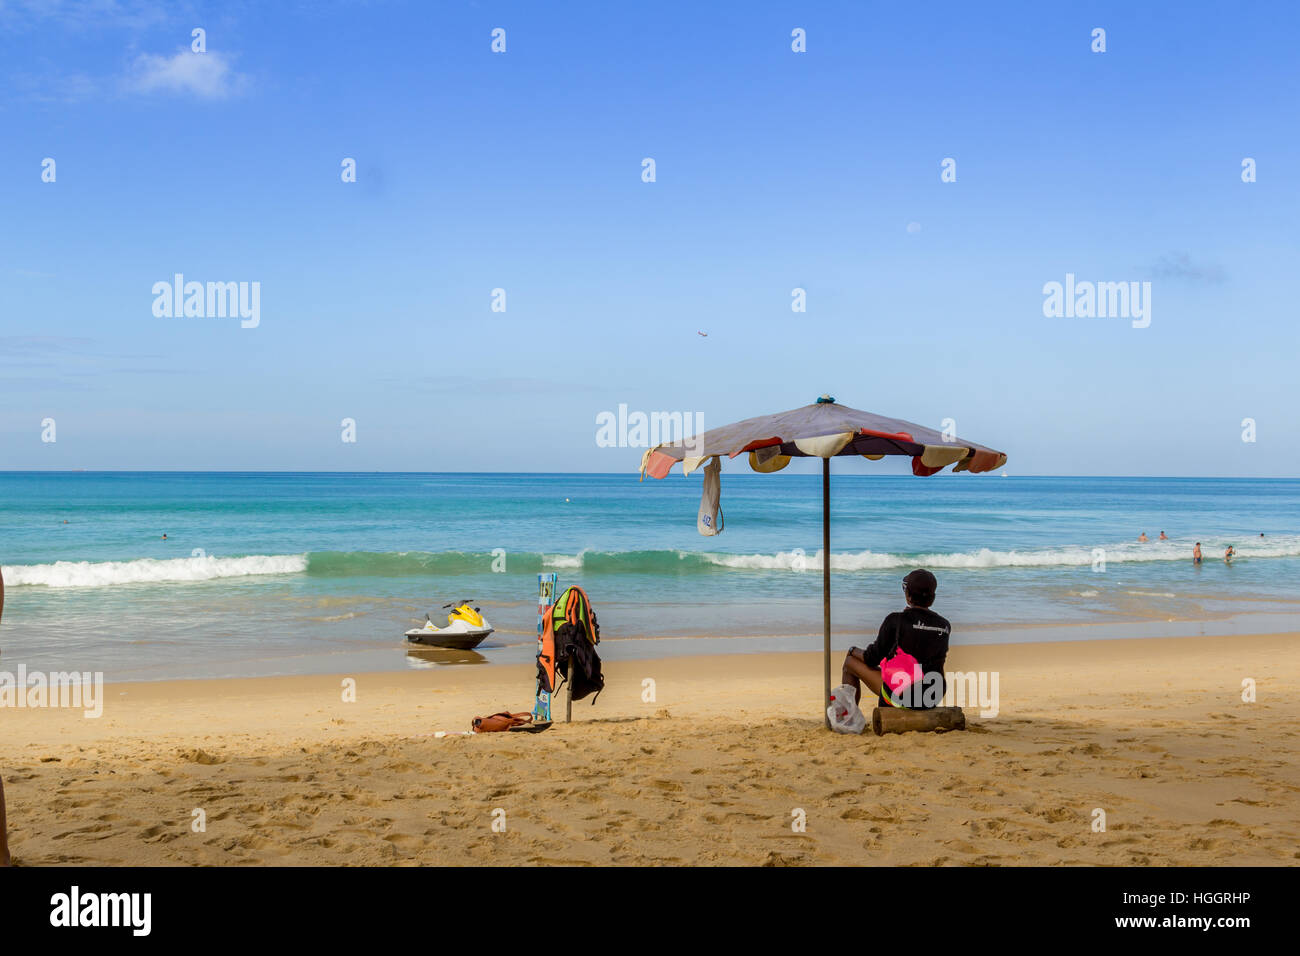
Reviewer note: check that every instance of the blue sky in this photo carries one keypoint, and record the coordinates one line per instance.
(522, 170)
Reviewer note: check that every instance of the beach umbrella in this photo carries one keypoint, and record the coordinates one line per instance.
(823, 430)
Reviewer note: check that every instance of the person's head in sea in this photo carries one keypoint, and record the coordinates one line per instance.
(916, 632)
(1196, 553)
(1142, 536)
(1163, 536)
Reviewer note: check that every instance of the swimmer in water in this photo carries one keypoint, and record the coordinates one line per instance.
(1229, 554)
(164, 537)
(1196, 553)
(1163, 536)
(1142, 537)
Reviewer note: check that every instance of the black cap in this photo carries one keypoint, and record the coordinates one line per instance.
(921, 585)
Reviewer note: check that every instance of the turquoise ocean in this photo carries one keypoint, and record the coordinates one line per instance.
(321, 573)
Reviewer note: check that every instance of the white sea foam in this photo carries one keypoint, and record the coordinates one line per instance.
(1068, 556)
(1124, 553)
(883, 561)
(98, 574)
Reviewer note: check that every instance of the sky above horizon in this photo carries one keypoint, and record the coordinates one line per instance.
(522, 170)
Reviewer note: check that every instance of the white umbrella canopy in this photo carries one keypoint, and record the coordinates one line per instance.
(824, 430)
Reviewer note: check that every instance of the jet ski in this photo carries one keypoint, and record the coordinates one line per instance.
(466, 628)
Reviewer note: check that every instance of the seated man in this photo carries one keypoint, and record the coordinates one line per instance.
(917, 630)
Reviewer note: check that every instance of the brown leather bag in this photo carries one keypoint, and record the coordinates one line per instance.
(501, 721)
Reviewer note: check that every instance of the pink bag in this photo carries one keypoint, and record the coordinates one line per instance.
(898, 673)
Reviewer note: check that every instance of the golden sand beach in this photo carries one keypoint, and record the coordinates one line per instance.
(1153, 732)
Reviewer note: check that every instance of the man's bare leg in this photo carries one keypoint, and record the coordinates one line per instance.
(856, 670)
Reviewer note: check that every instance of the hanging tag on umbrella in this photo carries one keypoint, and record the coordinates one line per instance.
(709, 521)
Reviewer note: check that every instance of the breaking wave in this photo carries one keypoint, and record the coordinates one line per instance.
(72, 574)
(98, 574)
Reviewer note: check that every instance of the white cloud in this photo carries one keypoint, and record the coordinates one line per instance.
(1181, 266)
(207, 75)
(85, 15)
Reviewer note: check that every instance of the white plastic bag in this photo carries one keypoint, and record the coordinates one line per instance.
(844, 714)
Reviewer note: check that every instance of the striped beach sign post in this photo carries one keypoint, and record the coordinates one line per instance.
(545, 601)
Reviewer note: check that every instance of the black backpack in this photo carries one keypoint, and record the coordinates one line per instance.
(577, 633)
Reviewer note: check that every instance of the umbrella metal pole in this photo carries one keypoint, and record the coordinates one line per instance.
(826, 586)
(568, 700)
